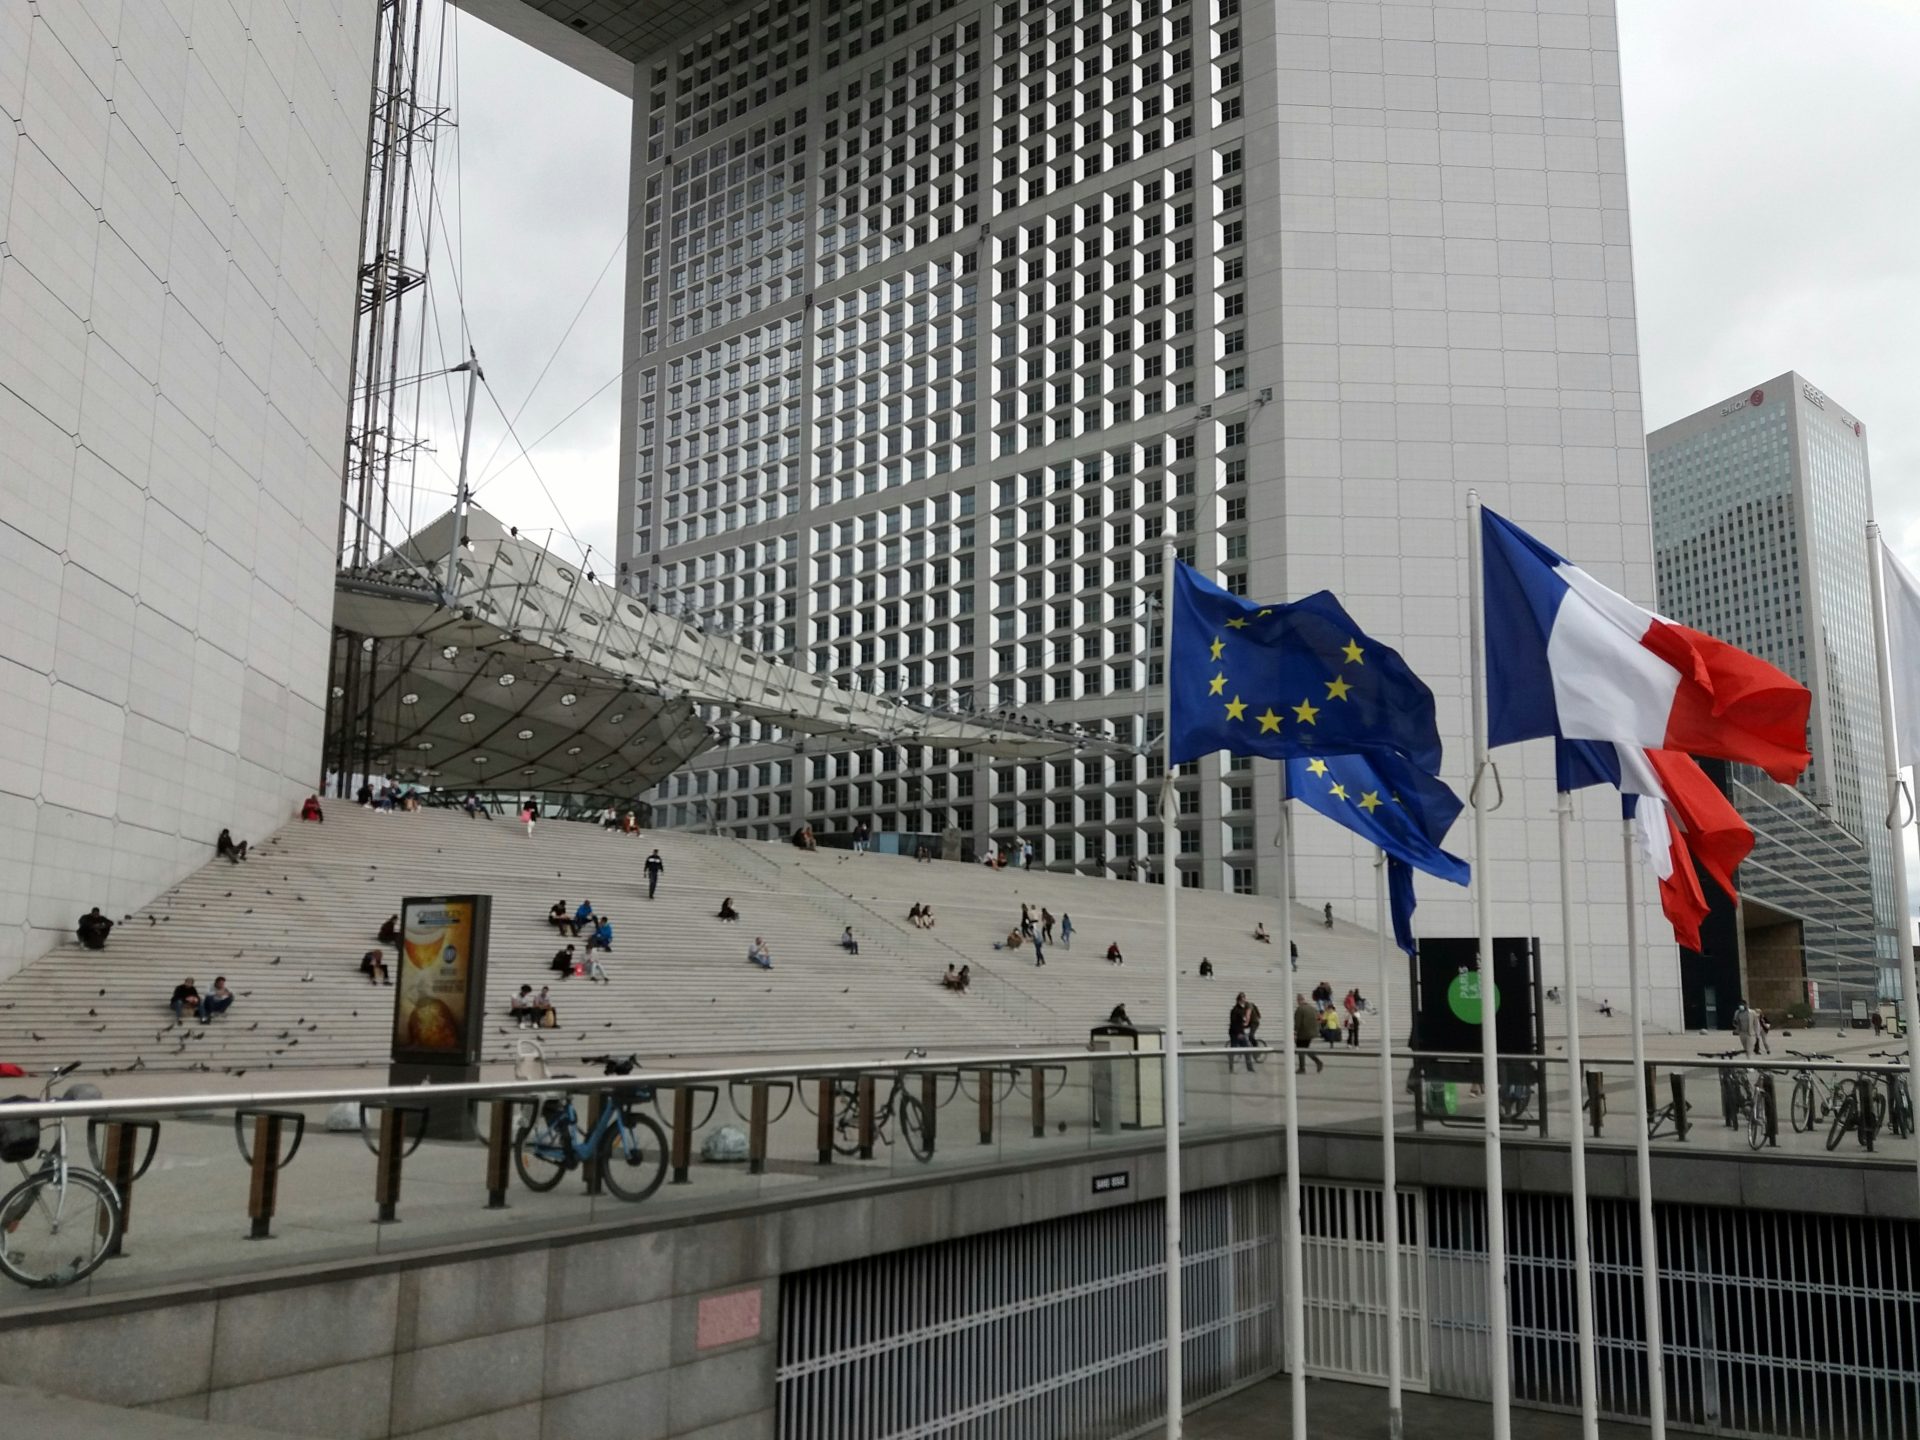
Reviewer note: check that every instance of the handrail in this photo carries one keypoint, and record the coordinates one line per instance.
(510, 1089)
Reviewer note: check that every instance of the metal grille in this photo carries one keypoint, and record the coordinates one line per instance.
(1055, 1329)
(1345, 1302)
(1776, 1323)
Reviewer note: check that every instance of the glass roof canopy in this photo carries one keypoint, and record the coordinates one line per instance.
(539, 676)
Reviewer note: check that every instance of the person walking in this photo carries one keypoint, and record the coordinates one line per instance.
(1026, 854)
(1046, 925)
(1327, 915)
(860, 837)
(527, 817)
(1743, 1028)
(1306, 1023)
(1066, 929)
(1039, 955)
(1237, 1035)
(1353, 1019)
(1760, 1028)
(655, 867)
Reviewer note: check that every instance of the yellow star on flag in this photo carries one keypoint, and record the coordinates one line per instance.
(1316, 767)
(1269, 722)
(1339, 792)
(1370, 802)
(1305, 712)
(1216, 685)
(1218, 646)
(1236, 624)
(1337, 688)
(1353, 652)
(1236, 709)
(1263, 614)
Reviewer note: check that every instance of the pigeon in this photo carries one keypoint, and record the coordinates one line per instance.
(152, 921)
(103, 989)
(274, 961)
(269, 892)
(36, 1035)
(301, 898)
(245, 993)
(283, 1035)
(292, 1043)
(227, 896)
(254, 1026)
(249, 909)
(139, 1063)
(98, 1028)
(239, 1072)
(165, 918)
(92, 1011)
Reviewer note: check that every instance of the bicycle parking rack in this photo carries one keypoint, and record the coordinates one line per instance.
(265, 1162)
(986, 1080)
(683, 1124)
(758, 1121)
(112, 1145)
(499, 1152)
(1596, 1100)
(391, 1149)
(1038, 1093)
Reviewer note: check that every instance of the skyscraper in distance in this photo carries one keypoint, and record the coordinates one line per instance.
(1760, 505)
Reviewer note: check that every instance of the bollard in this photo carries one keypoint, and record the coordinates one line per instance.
(863, 1091)
(757, 1130)
(929, 1106)
(386, 1174)
(499, 1153)
(263, 1191)
(1596, 1100)
(824, 1121)
(682, 1134)
(1677, 1083)
(1037, 1077)
(596, 1106)
(985, 1079)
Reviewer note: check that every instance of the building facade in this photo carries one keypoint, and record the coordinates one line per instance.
(180, 198)
(1760, 505)
(945, 317)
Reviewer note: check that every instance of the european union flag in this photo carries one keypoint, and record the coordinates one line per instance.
(1287, 680)
(1385, 799)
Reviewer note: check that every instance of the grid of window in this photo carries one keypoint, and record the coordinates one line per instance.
(900, 153)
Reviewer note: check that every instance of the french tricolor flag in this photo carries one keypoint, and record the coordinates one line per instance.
(1566, 656)
(1632, 697)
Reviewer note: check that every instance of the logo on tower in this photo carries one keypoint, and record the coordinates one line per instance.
(1756, 397)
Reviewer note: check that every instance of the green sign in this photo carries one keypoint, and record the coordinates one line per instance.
(1463, 997)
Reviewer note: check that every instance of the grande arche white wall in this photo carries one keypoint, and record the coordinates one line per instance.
(181, 185)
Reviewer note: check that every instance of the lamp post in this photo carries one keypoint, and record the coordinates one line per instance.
(450, 584)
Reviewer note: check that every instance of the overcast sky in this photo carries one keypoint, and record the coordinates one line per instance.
(1776, 225)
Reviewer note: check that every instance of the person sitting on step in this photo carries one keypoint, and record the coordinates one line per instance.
(310, 810)
(390, 930)
(1206, 968)
(227, 848)
(848, 943)
(964, 979)
(559, 917)
(951, 980)
(1260, 932)
(93, 929)
(601, 938)
(727, 912)
(1114, 956)
(583, 918)
(216, 1001)
(758, 954)
(373, 965)
(562, 962)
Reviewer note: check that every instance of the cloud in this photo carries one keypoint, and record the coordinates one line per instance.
(531, 209)
(1770, 167)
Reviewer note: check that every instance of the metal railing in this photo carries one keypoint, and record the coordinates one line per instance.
(302, 1170)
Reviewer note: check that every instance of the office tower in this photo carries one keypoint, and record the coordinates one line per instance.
(180, 202)
(1760, 504)
(945, 317)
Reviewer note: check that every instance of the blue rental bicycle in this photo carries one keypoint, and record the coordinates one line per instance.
(627, 1146)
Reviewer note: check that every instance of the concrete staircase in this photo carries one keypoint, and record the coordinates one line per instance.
(288, 927)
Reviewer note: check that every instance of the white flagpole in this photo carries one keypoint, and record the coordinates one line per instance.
(1291, 1060)
(1642, 1152)
(1898, 801)
(1170, 1042)
(1498, 1358)
(1389, 1180)
(1576, 1084)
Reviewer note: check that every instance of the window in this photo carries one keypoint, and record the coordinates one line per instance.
(1233, 378)
(1232, 434)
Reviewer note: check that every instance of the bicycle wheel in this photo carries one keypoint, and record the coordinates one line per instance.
(1801, 1107)
(1843, 1112)
(846, 1125)
(1757, 1122)
(633, 1157)
(543, 1154)
(52, 1235)
(913, 1127)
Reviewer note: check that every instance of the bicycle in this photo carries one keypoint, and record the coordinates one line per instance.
(62, 1221)
(1813, 1093)
(1898, 1101)
(913, 1118)
(1849, 1114)
(627, 1146)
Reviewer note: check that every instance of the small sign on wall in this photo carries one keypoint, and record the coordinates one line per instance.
(728, 1319)
(1105, 1184)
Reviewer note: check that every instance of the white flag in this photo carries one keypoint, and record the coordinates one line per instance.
(1903, 653)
